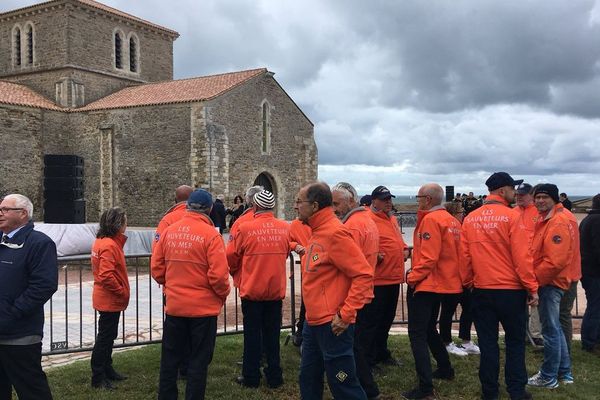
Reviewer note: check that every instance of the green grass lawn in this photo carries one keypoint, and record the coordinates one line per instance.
(142, 367)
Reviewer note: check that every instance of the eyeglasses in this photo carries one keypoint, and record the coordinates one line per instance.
(422, 196)
(4, 210)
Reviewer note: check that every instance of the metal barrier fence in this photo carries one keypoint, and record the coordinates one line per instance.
(71, 321)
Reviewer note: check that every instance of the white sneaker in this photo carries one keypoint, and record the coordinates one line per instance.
(470, 348)
(453, 349)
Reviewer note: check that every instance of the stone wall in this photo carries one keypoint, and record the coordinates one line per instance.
(292, 160)
(26, 135)
(134, 158)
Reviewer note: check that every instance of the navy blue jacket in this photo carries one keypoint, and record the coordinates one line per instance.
(28, 278)
(589, 232)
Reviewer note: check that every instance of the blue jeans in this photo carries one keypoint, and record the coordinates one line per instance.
(556, 354)
(322, 351)
(590, 326)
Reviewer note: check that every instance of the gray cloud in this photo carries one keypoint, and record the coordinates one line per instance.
(415, 91)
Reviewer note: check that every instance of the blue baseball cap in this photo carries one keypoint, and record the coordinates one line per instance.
(202, 197)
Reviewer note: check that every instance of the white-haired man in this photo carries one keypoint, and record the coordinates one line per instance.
(366, 236)
(28, 278)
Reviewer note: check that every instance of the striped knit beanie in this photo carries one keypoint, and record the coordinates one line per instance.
(264, 199)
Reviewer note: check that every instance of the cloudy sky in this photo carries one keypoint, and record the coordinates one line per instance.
(407, 92)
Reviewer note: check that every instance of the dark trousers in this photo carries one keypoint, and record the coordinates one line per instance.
(21, 367)
(108, 328)
(181, 335)
(590, 325)
(262, 325)
(385, 304)
(449, 303)
(322, 351)
(565, 316)
(509, 308)
(364, 335)
(423, 309)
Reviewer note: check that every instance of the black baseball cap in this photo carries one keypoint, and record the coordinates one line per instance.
(381, 193)
(501, 179)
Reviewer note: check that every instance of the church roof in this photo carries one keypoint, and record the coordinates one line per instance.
(96, 5)
(178, 91)
(19, 95)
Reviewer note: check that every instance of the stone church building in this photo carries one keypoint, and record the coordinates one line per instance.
(80, 78)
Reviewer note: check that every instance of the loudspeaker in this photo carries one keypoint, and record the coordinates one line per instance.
(449, 193)
(66, 194)
(63, 189)
(64, 212)
(63, 171)
(54, 184)
(62, 159)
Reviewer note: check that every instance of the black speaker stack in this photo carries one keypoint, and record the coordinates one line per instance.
(449, 193)
(63, 189)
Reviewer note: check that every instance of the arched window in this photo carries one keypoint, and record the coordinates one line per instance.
(133, 53)
(29, 42)
(266, 127)
(16, 47)
(118, 50)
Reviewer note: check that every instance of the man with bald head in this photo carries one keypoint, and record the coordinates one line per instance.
(174, 214)
(434, 272)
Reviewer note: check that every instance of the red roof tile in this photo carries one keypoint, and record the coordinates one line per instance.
(179, 91)
(19, 95)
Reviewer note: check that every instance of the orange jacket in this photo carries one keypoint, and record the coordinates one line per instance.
(259, 251)
(337, 277)
(172, 215)
(436, 250)
(247, 215)
(493, 249)
(190, 262)
(527, 217)
(111, 283)
(553, 249)
(299, 235)
(365, 235)
(390, 270)
(576, 262)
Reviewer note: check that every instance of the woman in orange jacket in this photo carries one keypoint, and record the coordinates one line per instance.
(110, 295)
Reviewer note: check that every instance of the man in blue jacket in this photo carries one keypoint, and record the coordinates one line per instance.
(28, 278)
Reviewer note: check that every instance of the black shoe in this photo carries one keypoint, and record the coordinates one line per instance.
(417, 394)
(115, 376)
(297, 340)
(104, 384)
(240, 380)
(391, 361)
(275, 384)
(537, 341)
(445, 375)
(525, 396)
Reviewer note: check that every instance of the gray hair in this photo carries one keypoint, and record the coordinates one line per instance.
(347, 189)
(21, 202)
(436, 192)
(251, 192)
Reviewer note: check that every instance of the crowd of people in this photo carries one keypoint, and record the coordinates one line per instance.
(497, 261)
